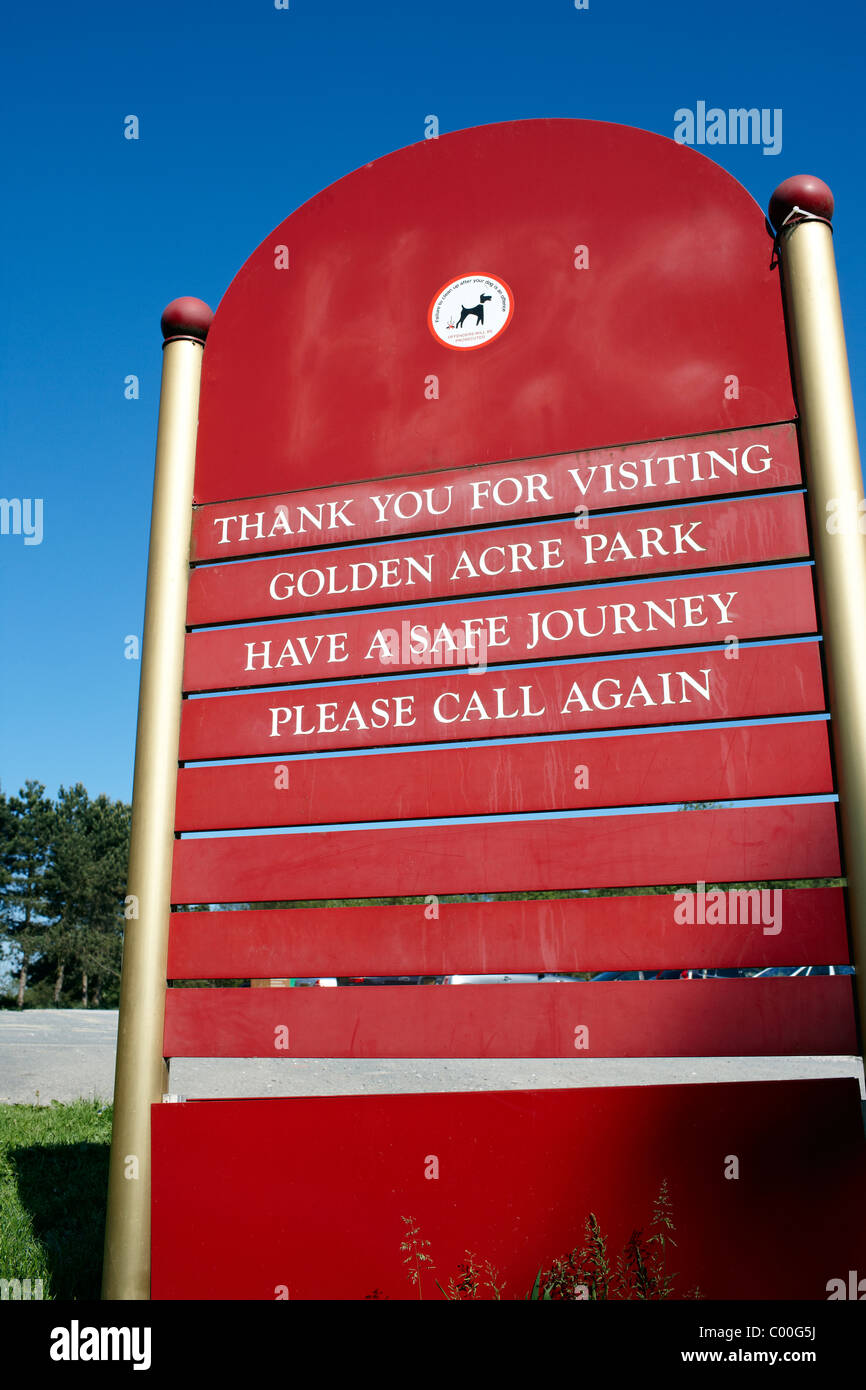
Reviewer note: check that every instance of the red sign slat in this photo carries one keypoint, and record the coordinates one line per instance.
(514, 778)
(665, 613)
(800, 1016)
(683, 687)
(742, 844)
(787, 926)
(711, 465)
(666, 540)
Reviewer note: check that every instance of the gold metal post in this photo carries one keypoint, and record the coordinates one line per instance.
(141, 1075)
(831, 458)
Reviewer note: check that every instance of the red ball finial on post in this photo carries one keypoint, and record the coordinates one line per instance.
(186, 318)
(803, 191)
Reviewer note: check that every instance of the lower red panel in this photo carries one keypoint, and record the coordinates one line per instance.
(254, 1199)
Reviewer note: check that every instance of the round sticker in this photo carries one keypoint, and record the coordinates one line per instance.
(470, 312)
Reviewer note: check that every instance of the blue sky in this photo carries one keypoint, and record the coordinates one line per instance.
(246, 111)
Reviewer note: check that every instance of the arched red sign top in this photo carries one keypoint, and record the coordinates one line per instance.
(625, 290)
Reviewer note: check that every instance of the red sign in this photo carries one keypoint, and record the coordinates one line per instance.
(540, 472)
(597, 480)
(687, 687)
(669, 613)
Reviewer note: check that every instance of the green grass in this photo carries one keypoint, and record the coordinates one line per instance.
(53, 1181)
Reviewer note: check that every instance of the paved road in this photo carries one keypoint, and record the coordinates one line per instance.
(48, 1054)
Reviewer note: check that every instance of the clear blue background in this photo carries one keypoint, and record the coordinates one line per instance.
(247, 111)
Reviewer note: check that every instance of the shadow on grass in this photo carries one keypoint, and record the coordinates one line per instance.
(63, 1188)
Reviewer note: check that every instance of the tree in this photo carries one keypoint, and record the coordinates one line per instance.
(26, 831)
(85, 887)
